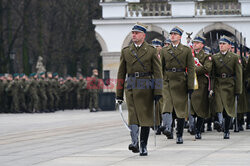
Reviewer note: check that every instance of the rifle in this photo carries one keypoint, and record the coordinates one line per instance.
(211, 41)
(235, 43)
(162, 32)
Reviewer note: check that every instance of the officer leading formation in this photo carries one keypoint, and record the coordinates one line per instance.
(195, 85)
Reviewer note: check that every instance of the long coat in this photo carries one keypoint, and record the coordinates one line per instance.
(226, 88)
(242, 103)
(199, 100)
(176, 84)
(139, 98)
(248, 84)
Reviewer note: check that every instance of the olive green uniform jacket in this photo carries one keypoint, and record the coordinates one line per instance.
(242, 103)
(199, 100)
(140, 100)
(248, 84)
(176, 84)
(226, 88)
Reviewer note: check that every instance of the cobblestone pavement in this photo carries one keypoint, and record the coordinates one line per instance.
(81, 138)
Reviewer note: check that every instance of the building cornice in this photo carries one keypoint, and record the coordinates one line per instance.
(171, 20)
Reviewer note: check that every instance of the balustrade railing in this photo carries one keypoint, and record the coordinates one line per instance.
(149, 8)
(217, 8)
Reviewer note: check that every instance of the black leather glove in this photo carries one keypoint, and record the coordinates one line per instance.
(190, 91)
(119, 100)
(157, 97)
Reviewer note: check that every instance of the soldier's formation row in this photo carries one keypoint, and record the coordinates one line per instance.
(38, 93)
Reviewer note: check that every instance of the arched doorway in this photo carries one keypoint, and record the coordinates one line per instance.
(213, 37)
(152, 33)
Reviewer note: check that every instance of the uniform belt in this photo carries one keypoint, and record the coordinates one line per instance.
(224, 75)
(139, 74)
(175, 70)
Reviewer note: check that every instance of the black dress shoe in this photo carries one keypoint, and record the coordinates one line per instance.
(143, 150)
(209, 128)
(134, 148)
(158, 131)
(248, 126)
(241, 128)
(226, 135)
(167, 132)
(192, 131)
(171, 136)
(179, 140)
(217, 126)
(198, 136)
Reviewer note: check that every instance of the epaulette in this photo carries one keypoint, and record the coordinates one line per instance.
(125, 47)
(151, 45)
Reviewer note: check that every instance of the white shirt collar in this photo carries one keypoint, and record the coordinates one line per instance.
(175, 45)
(137, 46)
(224, 53)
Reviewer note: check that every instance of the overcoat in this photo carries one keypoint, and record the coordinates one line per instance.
(227, 74)
(140, 91)
(199, 100)
(176, 84)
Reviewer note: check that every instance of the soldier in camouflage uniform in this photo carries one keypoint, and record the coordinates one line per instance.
(63, 93)
(42, 92)
(93, 92)
(70, 87)
(2, 93)
(56, 86)
(32, 90)
(13, 89)
(81, 92)
(50, 96)
(22, 96)
(8, 95)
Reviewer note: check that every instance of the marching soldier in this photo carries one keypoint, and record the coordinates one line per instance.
(248, 93)
(178, 81)
(227, 73)
(199, 100)
(158, 45)
(167, 42)
(139, 65)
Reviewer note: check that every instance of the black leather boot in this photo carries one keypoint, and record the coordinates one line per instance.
(167, 124)
(144, 141)
(191, 129)
(199, 126)
(180, 127)
(227, 125)
(209, 124)
(218, 125)
(134, 146)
